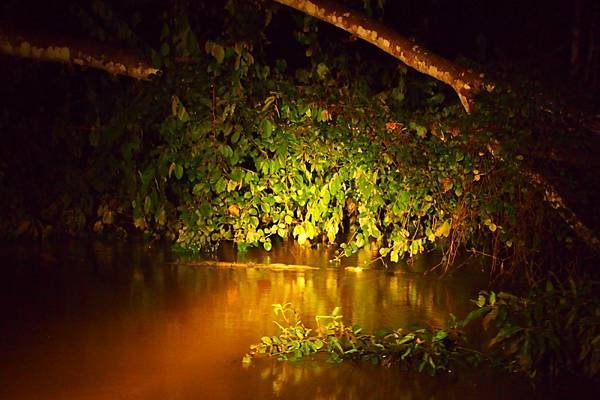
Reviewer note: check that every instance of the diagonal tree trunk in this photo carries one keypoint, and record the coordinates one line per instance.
(465, 83)
(556, 201)
(73, 51)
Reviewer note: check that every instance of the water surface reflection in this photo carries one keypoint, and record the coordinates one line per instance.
(107, 321)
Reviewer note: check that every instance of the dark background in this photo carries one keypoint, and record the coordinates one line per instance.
(511, 29)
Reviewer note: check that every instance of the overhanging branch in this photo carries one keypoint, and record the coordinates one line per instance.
(465, 83)
(74, 51)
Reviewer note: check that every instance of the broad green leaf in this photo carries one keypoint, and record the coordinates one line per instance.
(407, 338)
(504, 334)
(318, 344)
(178, 171)
(267, 128)
(430, 235)
(221, 185)
(235, 137)
(440, 335)
(473, 315)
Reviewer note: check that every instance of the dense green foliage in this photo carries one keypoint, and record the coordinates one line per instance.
(234, 143)
(553, 331)
(245, 153)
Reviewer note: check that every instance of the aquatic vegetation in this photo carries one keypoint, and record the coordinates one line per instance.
(554, 331)
(424, 349)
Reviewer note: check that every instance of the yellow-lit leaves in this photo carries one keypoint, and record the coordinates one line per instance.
(443, 229)
(178, 110)
(492, 226)
(216, 50)
(420, 130)
(322, 70)
(305, 232)
(234, 210)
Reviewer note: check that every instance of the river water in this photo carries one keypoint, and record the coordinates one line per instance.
(94, 320)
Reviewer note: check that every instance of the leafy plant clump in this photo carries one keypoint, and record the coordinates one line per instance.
(245, 153)
(554, 331)
(428, 350)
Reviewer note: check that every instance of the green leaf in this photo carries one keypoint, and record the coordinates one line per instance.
(235, 137)
(322, 70)
(267, 245)
(221, 185)
(481, 299)
(267, 128)
(318, 344)
(440, 335)
(266, 340)
(492, 298)
(407, 338)
(504, 334)
(473, 315)
(178, 171)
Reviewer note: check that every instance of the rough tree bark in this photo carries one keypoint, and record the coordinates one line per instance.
(73, 51)
(465, 83)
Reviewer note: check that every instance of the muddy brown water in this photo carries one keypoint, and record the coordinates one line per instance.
(94, 320)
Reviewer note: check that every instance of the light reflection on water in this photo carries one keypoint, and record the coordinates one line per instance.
(98, 321)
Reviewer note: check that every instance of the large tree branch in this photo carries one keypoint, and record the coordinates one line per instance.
(73, 51)
(556, 201)
(465, 83)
